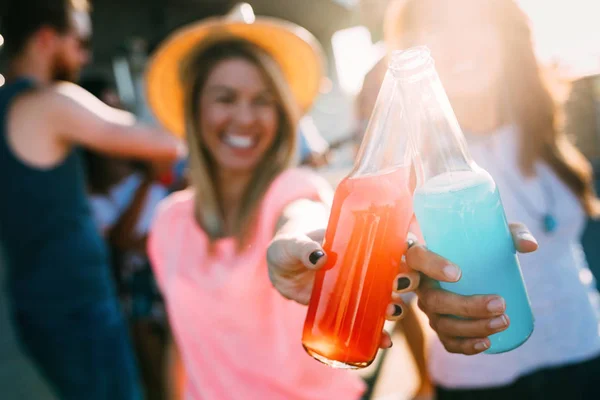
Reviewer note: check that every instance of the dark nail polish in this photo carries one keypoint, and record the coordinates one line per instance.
(315, 256)
(397, 310)
(403, 283)
(411, 243)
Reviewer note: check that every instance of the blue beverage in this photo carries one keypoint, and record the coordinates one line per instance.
(462, 219)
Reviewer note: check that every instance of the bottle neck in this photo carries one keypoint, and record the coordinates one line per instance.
(438, 144)
(413, 122)
(385, 145)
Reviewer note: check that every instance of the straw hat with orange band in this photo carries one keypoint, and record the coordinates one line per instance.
(296, 51)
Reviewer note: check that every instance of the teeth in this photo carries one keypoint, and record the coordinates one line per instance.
(242, 142)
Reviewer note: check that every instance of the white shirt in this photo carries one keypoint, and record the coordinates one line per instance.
(108, 209)
(561, 288)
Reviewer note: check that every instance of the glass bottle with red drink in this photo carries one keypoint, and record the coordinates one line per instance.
(365, 240)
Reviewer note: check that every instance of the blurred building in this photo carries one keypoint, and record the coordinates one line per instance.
(129, 29)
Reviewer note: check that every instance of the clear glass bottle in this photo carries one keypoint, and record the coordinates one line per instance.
(457, 203)
(364, 242)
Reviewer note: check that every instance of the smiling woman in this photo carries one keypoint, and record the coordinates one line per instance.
(240, 90)
(240, 115)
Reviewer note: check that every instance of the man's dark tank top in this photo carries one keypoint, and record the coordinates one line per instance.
(55, 257)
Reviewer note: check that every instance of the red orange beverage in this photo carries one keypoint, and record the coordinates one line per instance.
(365, 242)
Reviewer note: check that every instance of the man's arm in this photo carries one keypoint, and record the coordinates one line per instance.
(78, 117)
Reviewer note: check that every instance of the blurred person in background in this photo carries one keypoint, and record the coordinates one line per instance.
(485, 58)
(582, 121)
(111, 180)
(66, 311)
(123, 197)
(235, 90)
(312, 147)
(582, 116)
(484, 54)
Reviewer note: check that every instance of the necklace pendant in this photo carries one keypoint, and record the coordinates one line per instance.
(550, 223)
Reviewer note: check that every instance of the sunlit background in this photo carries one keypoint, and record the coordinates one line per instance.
(567, 40)
(566, 34)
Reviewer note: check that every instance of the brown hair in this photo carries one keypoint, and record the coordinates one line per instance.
(530, 102)
(23, 18)
(195, 72)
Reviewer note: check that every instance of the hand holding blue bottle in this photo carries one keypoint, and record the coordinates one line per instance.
(479, 316)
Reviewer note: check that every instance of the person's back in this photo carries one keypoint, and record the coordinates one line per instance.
(66, 313)
(47, 230)
(58, 275)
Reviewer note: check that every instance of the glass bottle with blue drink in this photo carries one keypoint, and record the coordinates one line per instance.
(456, 202)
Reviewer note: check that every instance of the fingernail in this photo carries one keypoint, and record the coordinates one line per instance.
(397, 310)
(315, 256)
(499, 322)
(452, 272)
(526, 236)
(403, 283)
(481, 346)
(497, 305)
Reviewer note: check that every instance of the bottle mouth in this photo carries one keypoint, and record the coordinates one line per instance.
(412, 63)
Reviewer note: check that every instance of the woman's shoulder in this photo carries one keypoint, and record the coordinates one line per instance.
(174, 205)
(296, 182)
(292, 185)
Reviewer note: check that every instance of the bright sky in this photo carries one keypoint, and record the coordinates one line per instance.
(567, 31)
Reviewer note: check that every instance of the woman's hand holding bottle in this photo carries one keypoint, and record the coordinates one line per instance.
(294, 259)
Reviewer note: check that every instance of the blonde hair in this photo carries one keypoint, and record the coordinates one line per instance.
(195, 72)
